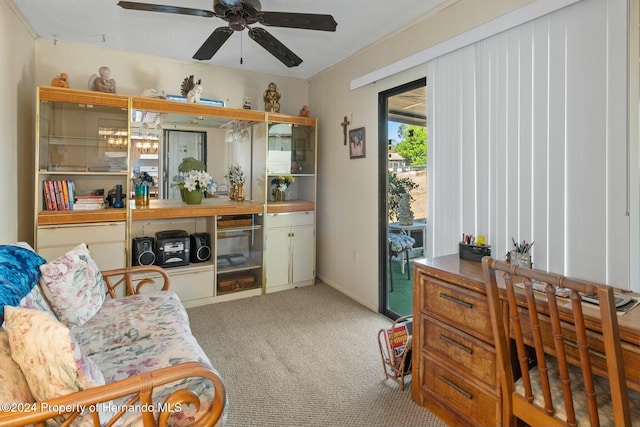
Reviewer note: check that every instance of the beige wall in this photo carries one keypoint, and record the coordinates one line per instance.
(347, 230)
(135, 72)
(16, 127)
(348, 196)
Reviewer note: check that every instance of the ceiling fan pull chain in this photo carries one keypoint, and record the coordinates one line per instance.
(240, 48)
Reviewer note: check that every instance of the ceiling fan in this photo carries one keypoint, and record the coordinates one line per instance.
(240, 14)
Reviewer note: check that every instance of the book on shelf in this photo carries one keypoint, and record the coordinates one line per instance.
(88, 199)
(58, 194)
(88, 206)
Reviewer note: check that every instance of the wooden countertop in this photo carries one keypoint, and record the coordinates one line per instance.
(159, 209)
(81, 217)
(290, 206)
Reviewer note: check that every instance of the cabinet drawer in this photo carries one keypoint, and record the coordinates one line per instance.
(462, 350)
(289, 219)
(60, 235)
(189, 284)
(446, 385)
(108, 256)
(466, 309)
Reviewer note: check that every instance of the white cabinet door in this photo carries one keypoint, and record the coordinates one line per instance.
(302, 251)
(277, 256)
(290, 250)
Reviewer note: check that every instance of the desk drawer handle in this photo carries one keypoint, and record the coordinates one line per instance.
(456, 300)
(455, 343)
(592, 351)
(456, 387)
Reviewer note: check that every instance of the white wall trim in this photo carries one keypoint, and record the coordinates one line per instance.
(510, 20)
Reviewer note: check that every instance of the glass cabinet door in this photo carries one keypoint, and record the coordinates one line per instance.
(291, 149)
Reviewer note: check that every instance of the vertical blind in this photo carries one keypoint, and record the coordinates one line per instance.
(528, 140)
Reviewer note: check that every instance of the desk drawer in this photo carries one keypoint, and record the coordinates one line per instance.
(467, 354)
(464, 308)
(482, 408)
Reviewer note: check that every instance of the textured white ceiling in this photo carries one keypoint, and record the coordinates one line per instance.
(103, 23)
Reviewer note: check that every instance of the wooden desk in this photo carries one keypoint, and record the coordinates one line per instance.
(454, 366)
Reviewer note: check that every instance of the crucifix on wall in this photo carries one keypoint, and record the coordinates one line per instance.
(344, 125)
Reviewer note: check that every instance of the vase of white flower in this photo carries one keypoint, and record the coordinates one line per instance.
(236, 178)
(142, 195)
(194, 185)
(142, 182)
(193, 197)
(281, 183)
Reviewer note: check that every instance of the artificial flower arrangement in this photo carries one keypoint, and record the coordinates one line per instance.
(235, 174)
(282, 182)
(198, 181)
(143, 178)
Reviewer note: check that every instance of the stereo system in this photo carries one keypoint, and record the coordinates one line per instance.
(200, 247)
(171, 248)
(143, 251)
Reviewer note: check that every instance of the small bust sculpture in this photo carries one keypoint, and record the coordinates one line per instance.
(272, 98)
(60, 81)
(102, 82)
(304, 111)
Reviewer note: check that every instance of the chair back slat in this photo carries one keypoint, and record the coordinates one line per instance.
(538, 321)
(538, 342)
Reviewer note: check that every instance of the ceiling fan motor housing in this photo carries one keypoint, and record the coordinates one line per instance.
(239, 13)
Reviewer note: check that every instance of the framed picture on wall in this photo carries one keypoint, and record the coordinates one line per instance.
(357, 144)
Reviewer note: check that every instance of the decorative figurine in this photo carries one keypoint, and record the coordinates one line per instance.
(272, 99)
(153, 93)
(246, 103)
(60, 81)
(405, 214)
(102, 82)
(304, 111)
(191, 89)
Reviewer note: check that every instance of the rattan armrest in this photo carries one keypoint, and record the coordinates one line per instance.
(127, 277)
(140, 387)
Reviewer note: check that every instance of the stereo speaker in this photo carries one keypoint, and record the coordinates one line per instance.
(200, 247)
(142, 251)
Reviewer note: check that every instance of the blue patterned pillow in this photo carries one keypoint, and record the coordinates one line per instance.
(19, 273)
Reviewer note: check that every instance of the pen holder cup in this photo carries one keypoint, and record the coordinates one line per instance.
(522, 259)
(473, 252)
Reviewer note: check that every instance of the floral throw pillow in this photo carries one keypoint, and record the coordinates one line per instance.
(14, 385)
(74, 286)
(19, 273)
(51, 360)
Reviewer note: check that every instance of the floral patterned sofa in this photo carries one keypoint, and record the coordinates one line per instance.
(74, 353)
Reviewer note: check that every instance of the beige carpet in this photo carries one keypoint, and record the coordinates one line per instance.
(303, 357)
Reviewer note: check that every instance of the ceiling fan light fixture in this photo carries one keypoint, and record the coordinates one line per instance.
(236, 22)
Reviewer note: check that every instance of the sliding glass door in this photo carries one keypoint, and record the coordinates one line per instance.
(403, 193)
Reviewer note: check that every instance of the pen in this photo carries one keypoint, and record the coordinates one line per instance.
(529, 246)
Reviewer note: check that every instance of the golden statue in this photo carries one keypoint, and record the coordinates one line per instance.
(272, 99)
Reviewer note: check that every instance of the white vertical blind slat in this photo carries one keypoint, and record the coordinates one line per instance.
(523, 145)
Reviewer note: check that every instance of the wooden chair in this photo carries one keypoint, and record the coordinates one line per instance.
(557, 365)
(396, 362)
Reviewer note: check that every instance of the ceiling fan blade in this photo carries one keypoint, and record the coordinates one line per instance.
(274, 47)
(307, 21)
(213, 43)
(166, 9)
